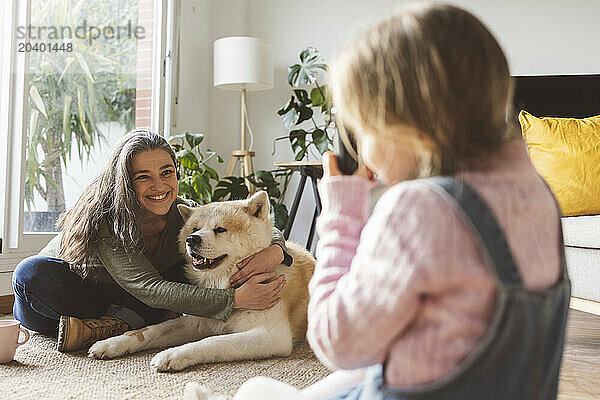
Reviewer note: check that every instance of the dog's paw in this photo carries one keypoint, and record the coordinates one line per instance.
(110, 348)
(170, 360)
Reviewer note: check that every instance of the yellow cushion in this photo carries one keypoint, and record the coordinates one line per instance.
(566, 153)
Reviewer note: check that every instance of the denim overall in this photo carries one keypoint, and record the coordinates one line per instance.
(519, 356)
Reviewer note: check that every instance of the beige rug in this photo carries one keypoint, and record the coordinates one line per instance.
(40, 372)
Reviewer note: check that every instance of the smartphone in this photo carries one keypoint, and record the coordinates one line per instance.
(346, 160)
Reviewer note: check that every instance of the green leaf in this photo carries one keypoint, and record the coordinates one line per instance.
(266, 181)
(84, 66)
(265, 176)
(194, 139)
(37, 100)
(253, 181)
(287, 107)
(69, 63)
(87, 138)
(289, 114)
(234, 186)
(305, 113)
(206, 178)
(220, 194)
(187, 159)
(319, 96)
(33, 127)
(186, 190)
(291, 118)
(300, 154)
(51, 181)
(91, 106)
(273, 192)
(296, 111)
(202, 187)
(293, 71)
(281, 215)
(298, 142)
(66, 123)
(212, 173)
(320, 140)
(305, 73)
(177, 147)
(302, 96)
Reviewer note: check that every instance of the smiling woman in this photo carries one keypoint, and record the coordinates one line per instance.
(117, 258)
(155, 181)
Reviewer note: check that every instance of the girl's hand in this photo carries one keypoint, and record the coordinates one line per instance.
(256, 295)
(265, 260)
(330, 168)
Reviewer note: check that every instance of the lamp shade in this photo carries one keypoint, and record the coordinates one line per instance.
(242, 62)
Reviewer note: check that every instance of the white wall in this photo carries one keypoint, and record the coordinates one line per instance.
(543, 37)
(538, 36)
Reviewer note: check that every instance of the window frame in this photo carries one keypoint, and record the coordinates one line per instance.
(16, 245)
(12, 130)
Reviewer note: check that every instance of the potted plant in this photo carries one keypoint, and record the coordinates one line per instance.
(308, 100)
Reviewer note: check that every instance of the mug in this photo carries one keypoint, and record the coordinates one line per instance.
(9, 339)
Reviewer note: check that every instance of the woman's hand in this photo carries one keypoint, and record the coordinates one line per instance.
(265, 260)
(257, 295)
(172, 314)
(330, 167)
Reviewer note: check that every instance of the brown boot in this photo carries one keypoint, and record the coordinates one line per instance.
(75, 333)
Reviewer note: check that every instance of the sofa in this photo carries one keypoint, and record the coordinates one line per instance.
(571, 96)
(582, 250)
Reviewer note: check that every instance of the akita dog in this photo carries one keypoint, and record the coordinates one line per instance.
(214, 238)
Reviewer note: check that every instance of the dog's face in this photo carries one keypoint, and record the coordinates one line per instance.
(216, 236)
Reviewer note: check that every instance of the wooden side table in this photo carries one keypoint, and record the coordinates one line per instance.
(314, 171)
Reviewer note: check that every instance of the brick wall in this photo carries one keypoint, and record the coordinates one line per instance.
(143, 82)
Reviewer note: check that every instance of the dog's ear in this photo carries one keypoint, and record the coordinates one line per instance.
(258, 205)
(185, 211)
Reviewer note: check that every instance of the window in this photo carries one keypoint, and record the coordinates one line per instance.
(90, 82)
(75, 76)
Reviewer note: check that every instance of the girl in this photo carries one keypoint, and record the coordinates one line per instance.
(117, 257)
(455, 287)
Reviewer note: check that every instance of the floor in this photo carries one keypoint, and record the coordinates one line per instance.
(40, 372)
(580, 373)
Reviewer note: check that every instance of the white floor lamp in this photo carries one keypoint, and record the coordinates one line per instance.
(243, 63)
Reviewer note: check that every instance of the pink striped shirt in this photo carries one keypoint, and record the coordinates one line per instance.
(409, 286)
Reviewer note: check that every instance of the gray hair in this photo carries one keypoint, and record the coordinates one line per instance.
(109, 201)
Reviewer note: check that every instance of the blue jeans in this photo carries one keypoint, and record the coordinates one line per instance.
(45, 288)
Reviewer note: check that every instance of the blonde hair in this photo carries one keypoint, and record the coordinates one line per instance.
(434, 67)
(110, 199)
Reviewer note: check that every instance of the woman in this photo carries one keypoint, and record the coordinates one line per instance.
(116, 261)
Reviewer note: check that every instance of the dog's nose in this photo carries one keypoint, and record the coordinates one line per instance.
(193, 240)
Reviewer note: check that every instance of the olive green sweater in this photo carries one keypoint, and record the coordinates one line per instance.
(143, 276)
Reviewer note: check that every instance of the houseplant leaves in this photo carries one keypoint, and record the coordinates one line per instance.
(305, 72)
